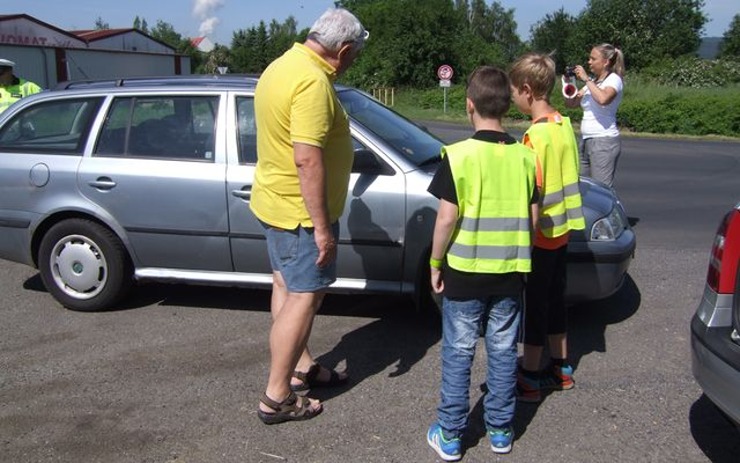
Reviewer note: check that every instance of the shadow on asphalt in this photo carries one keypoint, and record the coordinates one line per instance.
(714, 433)
(588, 322)
(400, 337)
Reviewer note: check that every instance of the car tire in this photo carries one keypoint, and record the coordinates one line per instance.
(84, 265)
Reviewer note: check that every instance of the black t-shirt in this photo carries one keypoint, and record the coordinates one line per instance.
(465, 285)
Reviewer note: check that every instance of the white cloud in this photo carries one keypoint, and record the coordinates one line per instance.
(205, 11)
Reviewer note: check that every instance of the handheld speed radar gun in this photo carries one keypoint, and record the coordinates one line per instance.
(569, 83)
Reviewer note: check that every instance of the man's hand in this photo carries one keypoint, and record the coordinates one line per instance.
(327, 247)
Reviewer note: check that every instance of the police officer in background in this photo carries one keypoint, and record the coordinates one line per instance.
(13, 88)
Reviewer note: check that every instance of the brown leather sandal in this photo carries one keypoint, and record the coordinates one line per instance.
(293, 408)
(310, 379)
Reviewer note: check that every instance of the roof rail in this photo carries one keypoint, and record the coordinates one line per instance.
(230, 80)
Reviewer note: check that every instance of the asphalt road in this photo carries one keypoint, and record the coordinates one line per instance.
(175, 375)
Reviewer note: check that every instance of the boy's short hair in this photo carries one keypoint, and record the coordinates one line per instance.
(489, 90)
(537, 70)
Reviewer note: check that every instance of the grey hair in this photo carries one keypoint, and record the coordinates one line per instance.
(337, 27)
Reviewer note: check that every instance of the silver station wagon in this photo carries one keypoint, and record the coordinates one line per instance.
(108, 183)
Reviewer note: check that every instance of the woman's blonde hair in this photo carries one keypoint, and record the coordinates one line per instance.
(614, 57)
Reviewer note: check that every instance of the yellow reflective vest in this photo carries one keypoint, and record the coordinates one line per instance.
(494, 185)
(554, 142)
(20, 88)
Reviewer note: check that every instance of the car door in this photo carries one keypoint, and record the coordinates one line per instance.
(371, 229)
(41, 147)
(158, 171)
(248, 247)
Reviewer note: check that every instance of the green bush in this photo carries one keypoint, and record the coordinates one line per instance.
(698, 113)
(693, 72)
(646, 107)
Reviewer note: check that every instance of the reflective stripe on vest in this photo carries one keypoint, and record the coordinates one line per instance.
(493, 235)
(557, 151)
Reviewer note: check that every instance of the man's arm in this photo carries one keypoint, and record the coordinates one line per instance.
(309, 160)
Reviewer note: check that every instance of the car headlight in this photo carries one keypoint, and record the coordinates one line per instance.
(608, 228)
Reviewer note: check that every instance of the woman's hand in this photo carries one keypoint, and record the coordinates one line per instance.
(581, 73)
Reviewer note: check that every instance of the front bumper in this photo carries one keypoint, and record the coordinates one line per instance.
(715, 363)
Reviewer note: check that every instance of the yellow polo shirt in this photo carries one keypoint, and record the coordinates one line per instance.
(294, 102)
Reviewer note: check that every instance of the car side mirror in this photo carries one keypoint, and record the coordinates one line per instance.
(365, 162)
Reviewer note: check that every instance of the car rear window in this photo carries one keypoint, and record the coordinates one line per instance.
(50, 127)
(166, 127)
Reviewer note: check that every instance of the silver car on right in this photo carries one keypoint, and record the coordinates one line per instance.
(715, 328)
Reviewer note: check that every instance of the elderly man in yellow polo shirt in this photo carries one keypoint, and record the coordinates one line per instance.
(304, 158)
(13, 88)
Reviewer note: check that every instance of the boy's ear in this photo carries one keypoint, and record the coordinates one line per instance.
(526, 89)
(469, 106)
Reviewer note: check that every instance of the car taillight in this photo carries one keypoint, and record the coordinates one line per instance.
(725, 253)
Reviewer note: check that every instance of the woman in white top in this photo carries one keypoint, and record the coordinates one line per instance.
(600, 98)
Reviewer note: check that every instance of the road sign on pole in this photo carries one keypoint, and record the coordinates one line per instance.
(445, 73)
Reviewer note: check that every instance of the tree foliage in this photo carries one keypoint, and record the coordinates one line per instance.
(554, 34)
(410, 39)
(141, 24)
(730, 46)
(254, 48)
(645, 30)
(100, 24)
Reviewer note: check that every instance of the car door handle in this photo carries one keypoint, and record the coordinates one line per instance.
(103, 183)
(243, 194)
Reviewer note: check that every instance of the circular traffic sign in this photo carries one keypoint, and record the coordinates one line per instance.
(445, 72)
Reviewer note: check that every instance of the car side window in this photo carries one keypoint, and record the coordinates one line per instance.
(247, 130)
(52, 127)
(160, 127)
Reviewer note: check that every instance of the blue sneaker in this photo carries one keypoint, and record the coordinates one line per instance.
(501, 439)
(447, 449)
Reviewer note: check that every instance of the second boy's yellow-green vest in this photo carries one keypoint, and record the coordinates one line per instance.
(560, 197)
(494, 225)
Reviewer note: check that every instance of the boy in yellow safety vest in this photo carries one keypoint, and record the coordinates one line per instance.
(480, 254)
(545, 316)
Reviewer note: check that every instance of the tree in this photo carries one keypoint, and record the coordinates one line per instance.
(730, 45)
(100, 24)
(645, 30)
(140, 24)
(554, 34)
(404, 49)
(254, 48)
(218, 57)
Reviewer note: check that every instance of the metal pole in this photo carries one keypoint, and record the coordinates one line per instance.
(445, 100)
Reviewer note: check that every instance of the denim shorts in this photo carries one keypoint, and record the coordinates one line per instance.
(293, 253)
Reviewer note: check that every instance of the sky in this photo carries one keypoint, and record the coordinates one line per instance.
(219, 19)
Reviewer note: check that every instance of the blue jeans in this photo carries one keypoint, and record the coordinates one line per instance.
(460, 322)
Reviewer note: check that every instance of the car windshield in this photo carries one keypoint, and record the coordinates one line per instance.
(416, 144)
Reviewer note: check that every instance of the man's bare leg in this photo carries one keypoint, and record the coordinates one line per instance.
(290, 331)
(306, 360)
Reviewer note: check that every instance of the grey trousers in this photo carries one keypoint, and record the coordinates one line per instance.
(599, 158)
